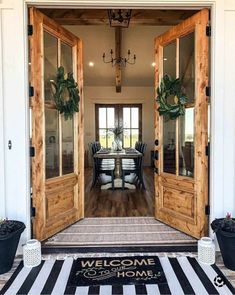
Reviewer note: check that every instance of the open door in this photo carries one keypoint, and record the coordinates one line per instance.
(57, 167)
(181, 173)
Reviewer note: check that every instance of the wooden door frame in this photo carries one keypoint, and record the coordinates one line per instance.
(215, 73)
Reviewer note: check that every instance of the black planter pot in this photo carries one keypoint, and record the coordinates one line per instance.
(226, 242)
(8, 247)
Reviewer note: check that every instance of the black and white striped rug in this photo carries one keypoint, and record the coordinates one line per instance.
(184, 275)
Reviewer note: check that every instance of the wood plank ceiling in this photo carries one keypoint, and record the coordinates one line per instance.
(149, 17)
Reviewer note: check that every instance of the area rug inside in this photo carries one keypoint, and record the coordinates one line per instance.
(119, 231)
(158, 275)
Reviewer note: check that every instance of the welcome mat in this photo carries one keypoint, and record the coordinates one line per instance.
(117, 271)
(184, 275)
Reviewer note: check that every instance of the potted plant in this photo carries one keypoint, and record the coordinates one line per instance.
(225, 233)
(10, 232)
(117, 131)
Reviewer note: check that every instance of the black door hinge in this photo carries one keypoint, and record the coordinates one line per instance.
(156, 155)
(207, 210)
(156, 170)
(31, 91)
(208, 91)
(208, 150)
(208, 30)
(33, 211)
(32, 151)
(30, 30)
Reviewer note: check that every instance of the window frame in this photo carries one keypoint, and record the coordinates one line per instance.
(118, 111)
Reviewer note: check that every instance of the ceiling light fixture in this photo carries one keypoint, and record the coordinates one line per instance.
(153, 64)
(122, 61)
(91, 64)
(119, 17)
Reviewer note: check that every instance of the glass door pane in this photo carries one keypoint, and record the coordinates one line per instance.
(169, 126)
(67, 146)
(66, 58)
(169, 59)
(186, 123)
(52, 143)
(169, 139)
(186, 143)
(187, 65)
(50, 63)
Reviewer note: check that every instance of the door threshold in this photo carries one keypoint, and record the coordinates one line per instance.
(192, 247)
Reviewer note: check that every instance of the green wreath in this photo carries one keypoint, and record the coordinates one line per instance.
(66, 83)
(170, 87)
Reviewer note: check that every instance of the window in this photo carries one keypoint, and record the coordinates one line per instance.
(110, 116)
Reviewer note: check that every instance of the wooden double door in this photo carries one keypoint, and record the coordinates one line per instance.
(181, 161)
(58, 164)
(181, 181)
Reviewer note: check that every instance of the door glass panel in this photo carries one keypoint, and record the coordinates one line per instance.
(66, 58)
(126, 118)
(52, 143)
(110, 138)
(169, 59)
(187, 65)
(110, 118)
(134, 117)
(127, 138)
(102, 118)
(102, 137)
(169, 137)
(186, 143)
(134, 137)
(50, 63)
(67, 146)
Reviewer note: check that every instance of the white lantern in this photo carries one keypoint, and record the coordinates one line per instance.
(206, 251)
(32, 253)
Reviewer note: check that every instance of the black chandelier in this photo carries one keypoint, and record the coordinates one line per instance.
(119, 17)
(121, 61)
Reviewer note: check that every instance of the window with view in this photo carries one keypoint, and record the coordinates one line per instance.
(127, 116)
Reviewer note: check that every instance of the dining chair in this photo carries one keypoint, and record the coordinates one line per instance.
(132, 161)
(100, 167)
(135, 168)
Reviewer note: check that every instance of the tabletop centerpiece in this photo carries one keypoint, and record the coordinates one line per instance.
(117, 132)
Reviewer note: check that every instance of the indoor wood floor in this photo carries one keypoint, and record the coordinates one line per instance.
(118, 203)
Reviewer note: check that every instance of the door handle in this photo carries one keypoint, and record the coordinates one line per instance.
(156, 142)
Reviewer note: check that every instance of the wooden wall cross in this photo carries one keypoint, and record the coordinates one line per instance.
(118, 54)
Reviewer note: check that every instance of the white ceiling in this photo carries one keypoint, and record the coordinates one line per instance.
(99, 39)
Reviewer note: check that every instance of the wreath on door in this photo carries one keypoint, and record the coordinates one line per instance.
(66, 94)
(171, 87)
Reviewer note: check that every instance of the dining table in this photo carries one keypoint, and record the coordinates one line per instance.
(128, 153)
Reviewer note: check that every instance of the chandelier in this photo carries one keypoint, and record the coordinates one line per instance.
(119, 17)
(121, 61)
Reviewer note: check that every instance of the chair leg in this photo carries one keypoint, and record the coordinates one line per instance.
(123, 179)
(112, 175)
(93, 179)
(142, 179)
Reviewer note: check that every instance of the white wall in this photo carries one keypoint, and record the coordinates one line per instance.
(143, 95)
(14, 165)
(229, 110)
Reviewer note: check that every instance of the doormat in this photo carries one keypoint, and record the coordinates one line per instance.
(184, 275)
(117, 271)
